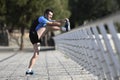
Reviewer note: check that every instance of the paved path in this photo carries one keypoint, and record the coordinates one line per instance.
(51, 65)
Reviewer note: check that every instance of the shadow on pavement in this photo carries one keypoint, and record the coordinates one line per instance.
(43, 48)
(16, 50)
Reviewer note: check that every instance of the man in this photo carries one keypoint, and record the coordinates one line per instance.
(42, 25)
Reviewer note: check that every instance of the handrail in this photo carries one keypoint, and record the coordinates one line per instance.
(95, 46)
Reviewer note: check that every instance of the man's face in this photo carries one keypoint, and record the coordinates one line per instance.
(49, 15)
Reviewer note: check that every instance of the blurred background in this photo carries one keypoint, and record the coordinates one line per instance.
(16, 17)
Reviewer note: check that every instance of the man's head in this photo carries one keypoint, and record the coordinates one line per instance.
(48, 14)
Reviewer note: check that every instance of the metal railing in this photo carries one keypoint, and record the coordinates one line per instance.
(95, 46)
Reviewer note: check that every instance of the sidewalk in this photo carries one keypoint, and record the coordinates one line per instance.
(51, 65)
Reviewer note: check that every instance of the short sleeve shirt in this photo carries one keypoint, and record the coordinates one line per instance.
(42, 22)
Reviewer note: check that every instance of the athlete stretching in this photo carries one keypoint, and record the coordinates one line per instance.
(42, 25)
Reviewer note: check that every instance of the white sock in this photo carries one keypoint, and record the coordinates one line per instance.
(29, 69)
(38, 46)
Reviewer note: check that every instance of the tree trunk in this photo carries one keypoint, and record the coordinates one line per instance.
(22, 41)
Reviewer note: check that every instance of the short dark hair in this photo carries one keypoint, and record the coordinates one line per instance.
(47, 11)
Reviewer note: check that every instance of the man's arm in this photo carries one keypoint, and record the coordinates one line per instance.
(54, 23)
(57, 22)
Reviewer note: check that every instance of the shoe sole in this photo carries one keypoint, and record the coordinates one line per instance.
(68, 25)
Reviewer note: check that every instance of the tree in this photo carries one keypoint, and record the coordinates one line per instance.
(91, 9)
(20, 13)
(2, 11)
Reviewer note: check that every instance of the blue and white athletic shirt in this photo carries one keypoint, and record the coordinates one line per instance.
(42, 22)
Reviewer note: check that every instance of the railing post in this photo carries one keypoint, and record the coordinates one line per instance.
(104, 59)
(115, 38)
(97, 56)
(113, 62)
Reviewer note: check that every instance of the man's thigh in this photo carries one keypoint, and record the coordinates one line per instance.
(52, 28)
(41, 31)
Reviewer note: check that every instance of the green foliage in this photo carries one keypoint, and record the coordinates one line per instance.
(18, 13)
(22, 12)
(117, 26)
(91, 9)
(2, 10)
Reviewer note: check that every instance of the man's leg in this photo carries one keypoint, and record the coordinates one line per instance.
(41, 31)
(36, 51)
(33, 59)
(35, 56)
(65, 26)
(53, 28)
(36, 45)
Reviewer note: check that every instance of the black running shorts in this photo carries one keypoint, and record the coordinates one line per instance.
(33, 37)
